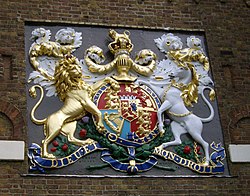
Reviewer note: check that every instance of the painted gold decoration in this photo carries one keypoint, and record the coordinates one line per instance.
(188, 55)
(128, 110)
(67, 40)
(121, 47)
(76, 95)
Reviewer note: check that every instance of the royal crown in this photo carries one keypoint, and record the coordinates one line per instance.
(121, 44)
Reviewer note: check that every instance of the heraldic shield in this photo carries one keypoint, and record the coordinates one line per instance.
(127, 115)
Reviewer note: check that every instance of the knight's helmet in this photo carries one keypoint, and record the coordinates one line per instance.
(121, 44)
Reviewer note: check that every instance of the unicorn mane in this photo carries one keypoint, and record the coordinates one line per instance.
(190, 91)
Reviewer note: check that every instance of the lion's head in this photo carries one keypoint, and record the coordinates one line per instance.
(95, 54)
(68, 76)
(145, 56)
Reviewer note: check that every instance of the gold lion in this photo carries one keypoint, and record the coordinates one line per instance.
(76, 95)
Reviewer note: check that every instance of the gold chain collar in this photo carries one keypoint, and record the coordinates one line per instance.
(179, 115)
(179, 86)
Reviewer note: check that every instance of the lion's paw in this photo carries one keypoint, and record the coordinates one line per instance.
(115, 86)
(100, 128)
(89, 141)
(49, 156)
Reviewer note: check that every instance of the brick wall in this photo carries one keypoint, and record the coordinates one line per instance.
(226, 23)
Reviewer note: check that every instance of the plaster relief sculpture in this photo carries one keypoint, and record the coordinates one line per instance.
(130, 110)
(66, 80)
(183, 90)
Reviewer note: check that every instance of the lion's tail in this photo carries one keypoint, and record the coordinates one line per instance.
(33, 94)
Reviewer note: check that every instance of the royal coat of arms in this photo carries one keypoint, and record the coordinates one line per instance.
(132, 111)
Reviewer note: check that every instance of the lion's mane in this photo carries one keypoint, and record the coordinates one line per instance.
(68, 76)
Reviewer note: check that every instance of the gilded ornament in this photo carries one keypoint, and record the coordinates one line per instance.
(121, 48)
(67, 40)
(77, 98)
(123, 98)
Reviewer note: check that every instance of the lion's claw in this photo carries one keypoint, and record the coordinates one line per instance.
(49, 156)
(89, 141)
(100, 128)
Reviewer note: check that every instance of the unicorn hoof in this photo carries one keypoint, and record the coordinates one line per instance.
(206, 163)
(160, 147)
(161, 130)
(162, 133)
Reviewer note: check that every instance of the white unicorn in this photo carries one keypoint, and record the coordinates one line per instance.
(178, 80)
(175, 98)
